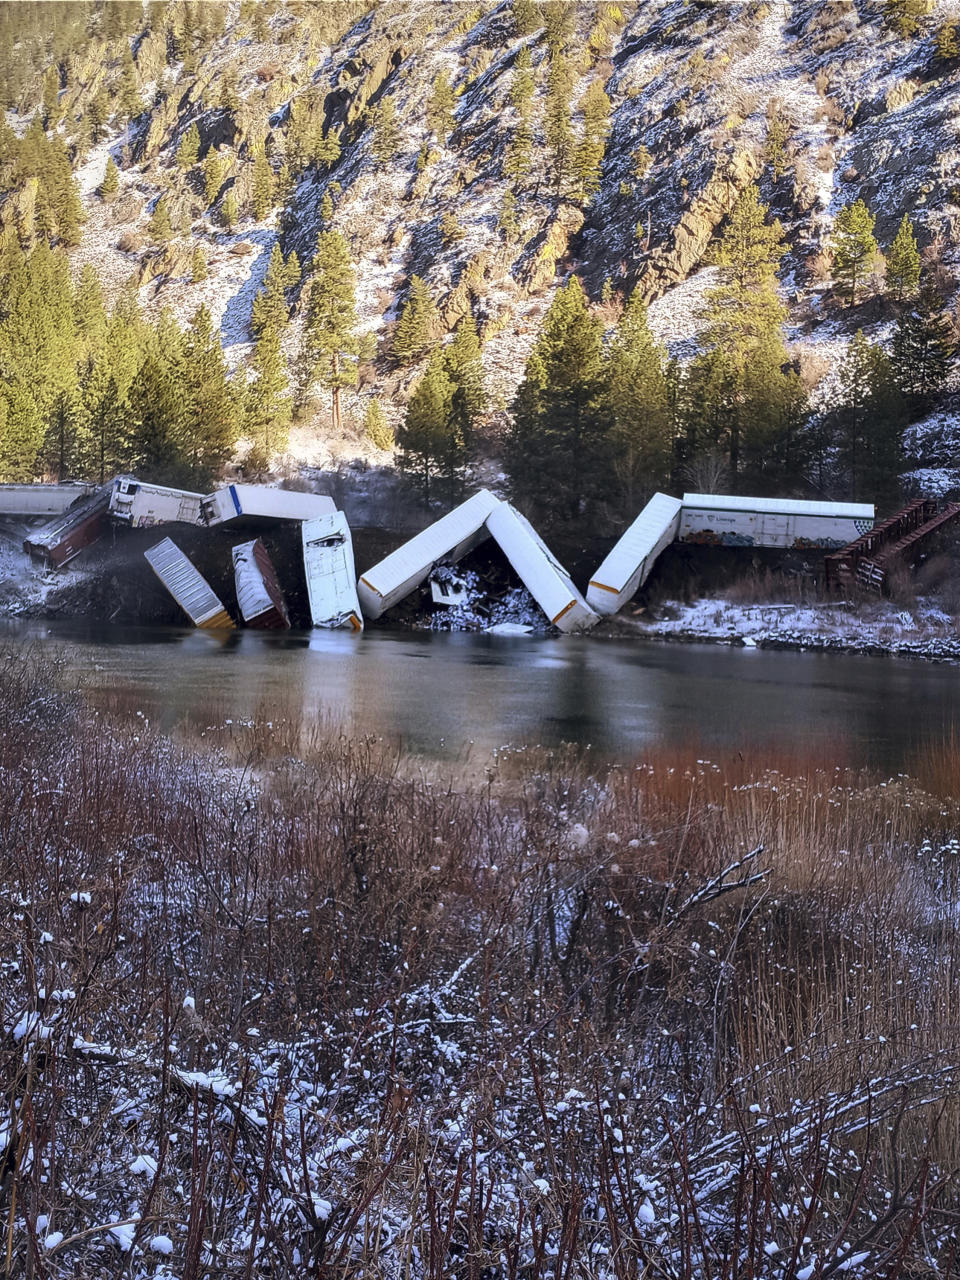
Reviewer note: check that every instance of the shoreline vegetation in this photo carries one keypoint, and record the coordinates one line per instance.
(278, 1001)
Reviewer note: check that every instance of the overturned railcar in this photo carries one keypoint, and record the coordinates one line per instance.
(627, 567)
(56, 543)
(37, 500)
(539, 571)
(330, 572)
(187, 585)
(445, 541)
(257, 503)
(259, 597)
(719, 520)
(142, 505)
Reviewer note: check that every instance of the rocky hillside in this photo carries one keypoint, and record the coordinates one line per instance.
(821, 103)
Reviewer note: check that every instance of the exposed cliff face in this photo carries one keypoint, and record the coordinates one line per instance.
(693, 85)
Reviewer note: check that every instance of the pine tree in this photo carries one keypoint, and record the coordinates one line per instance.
(51, 98)
(270, 303)
(557, 446)
(21, 433)
(208, 424)
(868, 420)
(111, 180)
(386, 131)
(516, 163)
(198, 265)
(854, 246)
(159, 227)
(188, 152)
(508, 222)
(268, 401)
(331, 345)
(327, 149)
(263, 184)
(905, 16)
(589, 153)
(464, 368)
(215, 168)
(526, 19)
(229, 213)
(158, 412)
(326, 209)
(376, 427)
(230, 88)
(291, 271)
(946, 45)
(557, 130)
(90, 313)
(924, 350)
(128, 99)
(107, 422)
(419, 323)
(451, 232)
(558, 21)
(640, 411)
(98, 112)
(903, 261)
(440, 117)
(425, 436)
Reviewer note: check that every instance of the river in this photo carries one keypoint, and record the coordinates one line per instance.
(445, 696)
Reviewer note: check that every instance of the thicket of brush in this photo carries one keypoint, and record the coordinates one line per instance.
(275, 1004)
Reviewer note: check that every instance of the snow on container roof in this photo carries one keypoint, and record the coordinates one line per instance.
(187, 585)
(330, 572)
(540, 572)
(628, 565)
(779, 506)
(448, 538)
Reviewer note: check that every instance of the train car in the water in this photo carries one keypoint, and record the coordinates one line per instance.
(719, 520)
(187, 585)
(330, 572)
(539, 571)
(56, 543)
(443, 542)
(142, 505)
(259, 502)
(627, 567)
(259, 596)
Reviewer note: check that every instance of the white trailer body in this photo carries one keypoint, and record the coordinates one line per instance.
(261, 502)
(718, 520)
(143, 505)
(543, 576)
(330, 573)
(187, 585)
(628, 565)
(259, 596)
(444, 541)
(41, 499)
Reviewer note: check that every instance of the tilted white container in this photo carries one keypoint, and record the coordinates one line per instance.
(259, 596)
(261, 502)
(627, 567)
(143, 505)
(539, 571)
(720, 520)
(187, 585)
(330, 572)
(446, 540)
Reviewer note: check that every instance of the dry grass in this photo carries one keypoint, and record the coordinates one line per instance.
(561, 1019)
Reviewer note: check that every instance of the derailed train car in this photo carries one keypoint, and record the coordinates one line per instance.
(57, 542)
(627, 567)
(331, 575)
(187, 585)
(258, 503)
(719, 520)
(259, 597)
(141, 506)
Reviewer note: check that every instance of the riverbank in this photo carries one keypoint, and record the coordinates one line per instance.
(279, 1000)
(871, 627)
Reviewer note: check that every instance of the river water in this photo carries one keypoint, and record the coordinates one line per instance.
(447, 696)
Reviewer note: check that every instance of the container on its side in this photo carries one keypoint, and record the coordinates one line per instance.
(331, 576)
(187, 585)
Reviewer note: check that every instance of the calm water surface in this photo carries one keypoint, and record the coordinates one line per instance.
(447, 694)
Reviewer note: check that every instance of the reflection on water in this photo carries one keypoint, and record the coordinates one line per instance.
(438, 692)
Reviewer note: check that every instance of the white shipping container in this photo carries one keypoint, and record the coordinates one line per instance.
(143, 505)
(330, 572)
(41, 499)
(719, 520)
(444, 541)
(187, 585)
(628, 565)
(543, 576)
(261, 502)
(259, 596)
